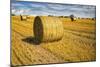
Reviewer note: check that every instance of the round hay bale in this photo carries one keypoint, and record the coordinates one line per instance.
(23, 17)
(47, 28)
(28, 17)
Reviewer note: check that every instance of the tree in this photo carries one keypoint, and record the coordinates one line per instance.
(13, 14)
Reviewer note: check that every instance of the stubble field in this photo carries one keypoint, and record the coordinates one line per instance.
(78, 43)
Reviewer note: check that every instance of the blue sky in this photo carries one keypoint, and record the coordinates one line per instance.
(36, 8)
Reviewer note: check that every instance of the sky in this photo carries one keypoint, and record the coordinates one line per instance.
(37, 8)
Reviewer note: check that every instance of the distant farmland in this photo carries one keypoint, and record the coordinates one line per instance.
(78, 43)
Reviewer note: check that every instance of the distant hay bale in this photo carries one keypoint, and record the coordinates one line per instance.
(75, 18)
(47, 28)
(28, 17)
(23, 17)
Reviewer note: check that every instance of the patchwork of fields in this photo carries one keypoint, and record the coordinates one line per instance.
(77, 44)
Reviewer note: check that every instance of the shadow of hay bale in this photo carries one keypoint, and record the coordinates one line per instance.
(34, 41)
(31, 40)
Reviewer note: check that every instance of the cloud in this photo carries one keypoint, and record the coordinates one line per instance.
(13, 11)
(57, 7)
(17, 4)
(36, 5)
(52, 9)
(21, 11)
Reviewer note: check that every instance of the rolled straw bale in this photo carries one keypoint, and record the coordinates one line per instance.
(23, 17)
(28, 17)
(47, 28)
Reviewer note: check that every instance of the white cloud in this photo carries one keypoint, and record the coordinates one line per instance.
(13, 11)
(57, 6)
(52, 9)
(17, 4)
(36, 5)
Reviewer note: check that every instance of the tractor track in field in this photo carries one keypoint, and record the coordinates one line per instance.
(23, 25)
(77, 33)
(43, 49)
(38, 50)
(18, 33)
(80, 31)
(17, 57)
(38, 47)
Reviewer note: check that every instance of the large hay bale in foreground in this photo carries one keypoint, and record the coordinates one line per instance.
(47, 28)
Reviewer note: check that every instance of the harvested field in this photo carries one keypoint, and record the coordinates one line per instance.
(78, 43)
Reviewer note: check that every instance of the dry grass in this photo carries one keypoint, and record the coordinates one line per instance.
(78, 43)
